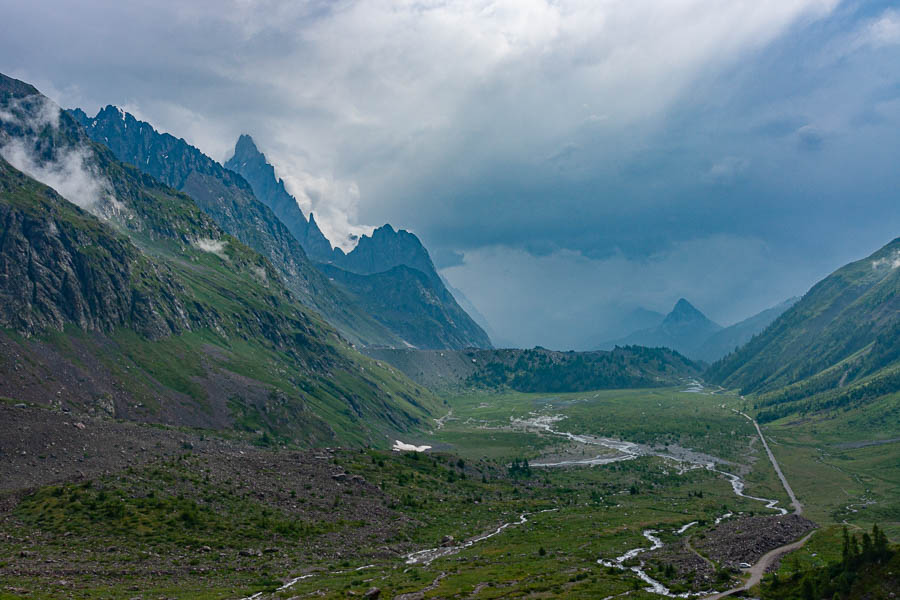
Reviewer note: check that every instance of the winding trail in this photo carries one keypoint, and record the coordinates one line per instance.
(759, 569)
(798, 507)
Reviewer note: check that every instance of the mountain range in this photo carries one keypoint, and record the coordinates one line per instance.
(172, 293)
(263, 215)
(838, 346)
(388, 263)
(119, 296)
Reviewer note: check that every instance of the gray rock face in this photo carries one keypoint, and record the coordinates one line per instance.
(227, 197)
(386, 249)
(407, 301)
(252, 165)
(58, 266)
(418, 309)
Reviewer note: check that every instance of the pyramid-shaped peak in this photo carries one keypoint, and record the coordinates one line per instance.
(685, 311)
(246, 147)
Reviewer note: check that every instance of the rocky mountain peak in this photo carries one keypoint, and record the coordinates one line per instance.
(684, 311)
(245, 148)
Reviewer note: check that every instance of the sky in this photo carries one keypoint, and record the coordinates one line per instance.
(564, 162)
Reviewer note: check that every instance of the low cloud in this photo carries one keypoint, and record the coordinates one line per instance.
(216, 247)
(69, 172)
(334, 203)
(891, 262)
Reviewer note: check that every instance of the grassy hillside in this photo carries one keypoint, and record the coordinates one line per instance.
(152, 312)
(228, 199)
(849, 322)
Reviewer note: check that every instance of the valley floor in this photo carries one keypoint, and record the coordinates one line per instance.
(640, 492)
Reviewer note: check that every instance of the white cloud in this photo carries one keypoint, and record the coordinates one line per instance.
(334, 203)
(383, 97)
(892, 261)
(883, 31)
(216, 247)
(69, 172)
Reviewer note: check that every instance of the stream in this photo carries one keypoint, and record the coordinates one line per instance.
(654, 586)
(624, 450)
(629, 451)
(426, 556)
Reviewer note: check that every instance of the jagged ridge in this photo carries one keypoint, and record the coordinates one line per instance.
(238, 351)
(374, 254)
(229, 200)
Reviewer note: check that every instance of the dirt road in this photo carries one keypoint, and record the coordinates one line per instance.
(798, 507)
(759, 569)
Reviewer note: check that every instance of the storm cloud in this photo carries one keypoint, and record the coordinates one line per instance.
(564, 161)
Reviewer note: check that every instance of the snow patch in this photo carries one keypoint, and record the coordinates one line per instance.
(404, 447)
(216, 247)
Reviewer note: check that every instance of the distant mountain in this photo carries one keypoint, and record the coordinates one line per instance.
(844, 332)
(407, 301)
(119, 296)
(684, 329)
(730, 338)
(230, 201)
(425, 300)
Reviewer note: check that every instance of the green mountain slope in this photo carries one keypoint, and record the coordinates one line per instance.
(406, 301)
(541, 370)
(228, 199)
(141, 307)
(846, 328)
(730, 338)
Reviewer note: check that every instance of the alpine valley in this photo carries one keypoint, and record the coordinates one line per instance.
(201, 396)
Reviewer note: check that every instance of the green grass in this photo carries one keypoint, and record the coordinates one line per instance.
(828, 474)
(649, 416)
(593, 511)
(179, 509)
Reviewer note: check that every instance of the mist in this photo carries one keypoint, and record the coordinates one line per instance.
(69, 172)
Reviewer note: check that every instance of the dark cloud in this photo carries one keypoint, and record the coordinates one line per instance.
(563, 161)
